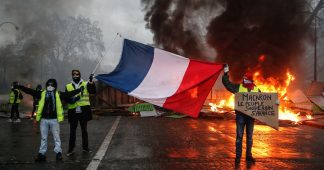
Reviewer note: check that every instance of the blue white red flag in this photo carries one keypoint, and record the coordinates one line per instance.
(163, 78)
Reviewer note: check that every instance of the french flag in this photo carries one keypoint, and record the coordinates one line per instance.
(163, 78)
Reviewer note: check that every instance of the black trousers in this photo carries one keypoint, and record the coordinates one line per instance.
(14, 109)
(73, 127)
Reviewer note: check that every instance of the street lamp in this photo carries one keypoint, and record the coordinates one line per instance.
(8, 22)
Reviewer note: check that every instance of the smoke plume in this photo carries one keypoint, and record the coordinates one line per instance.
(240, 31)
(51, 40)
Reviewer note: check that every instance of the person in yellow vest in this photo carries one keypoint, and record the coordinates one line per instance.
(15, 98)
(49, 114)
(79, 109)
(242, 120)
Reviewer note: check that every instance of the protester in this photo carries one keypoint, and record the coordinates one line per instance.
(15, 98)
(79, 109)
(242, 119)
(49, 114)
(35, 101)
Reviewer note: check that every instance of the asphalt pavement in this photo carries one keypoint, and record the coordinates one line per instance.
(164, 143)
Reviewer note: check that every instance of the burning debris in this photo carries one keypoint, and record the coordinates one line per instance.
(267, 37)
(238, 31)
(287, 111)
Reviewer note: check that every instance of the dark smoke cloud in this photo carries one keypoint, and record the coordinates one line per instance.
(240, 32)
(168, 20)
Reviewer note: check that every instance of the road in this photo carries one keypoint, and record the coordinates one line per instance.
(165, 143)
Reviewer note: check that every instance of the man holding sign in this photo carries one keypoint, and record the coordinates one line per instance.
(242, 119)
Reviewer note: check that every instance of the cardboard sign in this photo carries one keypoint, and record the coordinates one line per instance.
(261, 106)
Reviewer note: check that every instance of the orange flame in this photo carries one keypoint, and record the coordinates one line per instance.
(267, 85)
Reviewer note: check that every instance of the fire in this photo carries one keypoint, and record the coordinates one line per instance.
(267, 85)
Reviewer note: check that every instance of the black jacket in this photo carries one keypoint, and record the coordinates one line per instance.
(231, 87)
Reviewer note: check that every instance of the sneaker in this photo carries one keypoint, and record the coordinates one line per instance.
(59, 156)
(40, 158)
(86, 151)
(70, 153)
(250, 159)
(9, 120)
(18, 120)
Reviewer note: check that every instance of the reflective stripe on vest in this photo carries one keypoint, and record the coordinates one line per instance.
(84, 98)
(243, 89)
(12, 97)
(58, 103)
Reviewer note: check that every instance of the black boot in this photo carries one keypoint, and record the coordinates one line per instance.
(40, 158)
(250, 159)
(59, 156)
(237, 161)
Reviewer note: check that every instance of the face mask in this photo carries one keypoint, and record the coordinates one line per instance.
(76, 79)
(50, 88)
(245, 81)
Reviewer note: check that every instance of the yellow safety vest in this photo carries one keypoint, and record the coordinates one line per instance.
(243, 89)
(12, 97)
(58, 103)
(84, 98)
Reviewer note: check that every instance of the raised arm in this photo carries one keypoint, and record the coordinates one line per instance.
(30, 91)
(231, 87)
(66, 95)
(91, 87)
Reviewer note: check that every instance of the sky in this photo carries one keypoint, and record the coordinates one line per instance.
(125, 17)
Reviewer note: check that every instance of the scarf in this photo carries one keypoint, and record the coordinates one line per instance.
(50, 94)
(248, 84)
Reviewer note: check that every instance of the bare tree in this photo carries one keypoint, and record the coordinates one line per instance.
(51, 46)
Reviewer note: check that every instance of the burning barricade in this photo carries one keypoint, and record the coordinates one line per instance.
(294, 108)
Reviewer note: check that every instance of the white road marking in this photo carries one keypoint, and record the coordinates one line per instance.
(93, 165)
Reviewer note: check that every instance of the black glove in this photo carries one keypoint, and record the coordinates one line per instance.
(15, 85)
(91, 78)
(18, 86)
(75, 99)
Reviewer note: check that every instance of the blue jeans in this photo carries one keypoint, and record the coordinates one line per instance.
(54, 126)
(243, 120)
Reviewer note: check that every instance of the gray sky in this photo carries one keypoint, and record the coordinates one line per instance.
(123, 16)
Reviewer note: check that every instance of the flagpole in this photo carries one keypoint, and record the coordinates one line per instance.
(101, 57)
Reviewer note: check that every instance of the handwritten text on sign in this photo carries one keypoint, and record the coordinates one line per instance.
(261, 106)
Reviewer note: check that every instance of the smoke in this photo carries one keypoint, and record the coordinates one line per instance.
(41, 42)
(33, 13)
(240, 31)
(171, 23)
